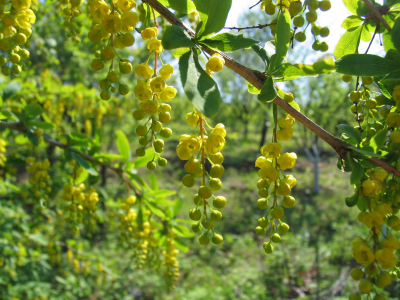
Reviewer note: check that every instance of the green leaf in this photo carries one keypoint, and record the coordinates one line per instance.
(160, 193)
(350, 131)
(11, 89)
(154, 209)
(33, 110)
(183, 6)
(394, 55)
(252, 89)
(387, 41)
(352, 21)
(181, 246)
(176, 37)
(179, 52)
(396, 34)
(378, 140)
(357, 171)
(42, 125)
(146, 22)
(365, 152)
(282, 36)
(83, 163)
(213, 15)
(348, 43)
(356, 7)
(177, 206)
(123, 145)
(268, 91)
(81, 178)
(153, 182)
(199, 87)
(4, 115)
(352, 201)
(183, 231)
(295, 105)
(365, 65)
(32, 137)
(365, 35)
(262, 53)
(362, 204)
(228, 42)
(287, 71)
(140, 162)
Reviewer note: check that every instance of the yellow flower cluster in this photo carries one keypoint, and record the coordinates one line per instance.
(40, 178)
(115, 25)
(270, 164)
(152, 91)
(207, 147)
(81, 206)
(374, 260)
(171, 263)
(15, 31)
(3, 158)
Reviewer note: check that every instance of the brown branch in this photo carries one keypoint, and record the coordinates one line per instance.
(257, 79)
(19, 126)
(377, 14)
(259, 26)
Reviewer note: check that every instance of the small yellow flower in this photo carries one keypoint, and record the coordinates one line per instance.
(271, 150)
(214, 143)
(155, 46)
(166, 71)
(373, 219)
(286, 122)
(371, 188)
(112, 23)
(144, 71)
(378, 174)
(130, 19)
(215, 63)
(284, 134)
(393, 120)
(386, 258)
(391, 242)
(157, 84)
(364, 255)
(149, 33)
(168, 93)
(287, 160)
(263, 162)
(219, 129)
(21, 5)
(268, 173)
(290, 180)
(126, 5)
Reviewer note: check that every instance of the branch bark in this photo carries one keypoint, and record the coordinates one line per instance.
(377, 16)
(257, 79)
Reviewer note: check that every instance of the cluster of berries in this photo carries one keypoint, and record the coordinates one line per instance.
(39, 180)
(113, 25)
(70, 10)
(152, 91)
(272, 163)
(296, 10)
(81, 206)
(207, 147)
(16, 17)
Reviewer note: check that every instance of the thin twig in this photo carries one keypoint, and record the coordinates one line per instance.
(20, 127)
(257, 79)
(255, 4)
(259, 26)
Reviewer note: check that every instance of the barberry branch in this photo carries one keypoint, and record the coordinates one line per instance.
(377, 14)
(257, 79)
(259, 26)
(20, 127)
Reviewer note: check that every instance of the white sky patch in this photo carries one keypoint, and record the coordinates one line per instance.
(332, 19)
